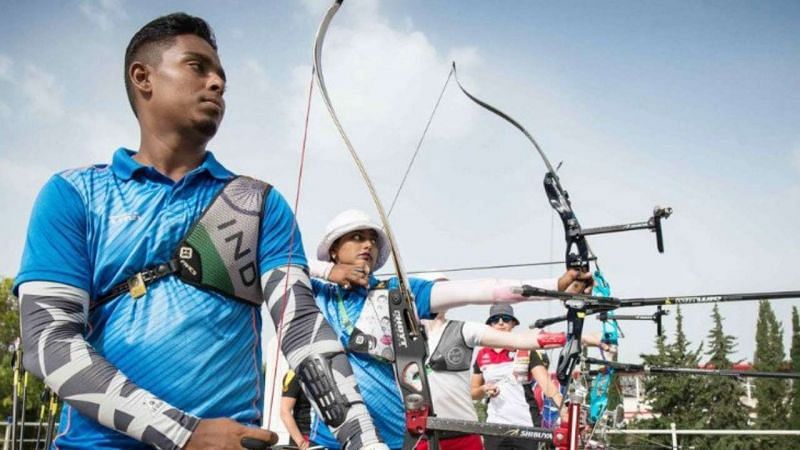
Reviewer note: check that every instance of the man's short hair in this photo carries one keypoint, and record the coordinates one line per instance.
(159, 34)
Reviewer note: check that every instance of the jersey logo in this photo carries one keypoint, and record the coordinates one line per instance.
(127, 217)
(455, 356)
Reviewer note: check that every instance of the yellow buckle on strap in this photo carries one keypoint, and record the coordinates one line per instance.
(136, 286)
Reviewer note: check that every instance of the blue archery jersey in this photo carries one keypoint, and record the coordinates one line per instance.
(94, 227)
(375, 377)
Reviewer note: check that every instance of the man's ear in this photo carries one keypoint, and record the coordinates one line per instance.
(139, 74)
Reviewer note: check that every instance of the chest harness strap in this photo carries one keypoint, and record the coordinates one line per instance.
(220, 251)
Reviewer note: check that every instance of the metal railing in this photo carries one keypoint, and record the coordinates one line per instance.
(29, 436)
(674, 432)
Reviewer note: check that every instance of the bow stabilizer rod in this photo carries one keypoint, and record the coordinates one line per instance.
(706, 298)
(637, 302)
(648, 370)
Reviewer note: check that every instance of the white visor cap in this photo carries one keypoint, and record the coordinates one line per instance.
(352, 220)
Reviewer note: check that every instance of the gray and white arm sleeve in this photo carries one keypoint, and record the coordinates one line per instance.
(53, 319)
(452, 294)
(306, 336)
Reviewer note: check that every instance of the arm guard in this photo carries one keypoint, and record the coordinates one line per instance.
(551, 340)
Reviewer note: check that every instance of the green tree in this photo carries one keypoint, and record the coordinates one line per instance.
(674, 398)
(9, 330)
(771, 394)
(721, 396)
(794, 413)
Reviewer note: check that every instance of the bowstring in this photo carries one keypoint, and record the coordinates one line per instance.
(419, 143)
(285, 298)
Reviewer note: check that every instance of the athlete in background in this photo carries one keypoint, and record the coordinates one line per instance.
(508, 390)
(295, 411)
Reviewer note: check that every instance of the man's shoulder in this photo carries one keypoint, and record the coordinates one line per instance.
(76, 183)
(84, 171)
(85, 176)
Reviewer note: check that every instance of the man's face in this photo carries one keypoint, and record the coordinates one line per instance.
(502, 322)
(187, 87)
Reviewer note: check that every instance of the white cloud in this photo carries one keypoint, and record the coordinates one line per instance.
(796, 158)
(5, 68)
(12, 171)
(256, 76)
(100, 134)
(42, 91)
(383, 80)
(103, 13)
(5, 110)
(466, 56)
(315, 8)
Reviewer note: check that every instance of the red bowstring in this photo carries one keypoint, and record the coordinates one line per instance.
(279, 328)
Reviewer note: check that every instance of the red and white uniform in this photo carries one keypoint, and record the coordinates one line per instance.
(510, 405)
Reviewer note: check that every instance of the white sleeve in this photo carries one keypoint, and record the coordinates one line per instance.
(452, 294)
(473, 333)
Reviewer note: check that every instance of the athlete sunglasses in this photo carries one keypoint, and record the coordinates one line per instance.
(504, 317)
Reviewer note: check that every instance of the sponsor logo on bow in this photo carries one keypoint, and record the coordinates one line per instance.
(399, 328)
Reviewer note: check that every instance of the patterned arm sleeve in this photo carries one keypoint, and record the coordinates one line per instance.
(306, 338)
(305, 334)
(53, 320)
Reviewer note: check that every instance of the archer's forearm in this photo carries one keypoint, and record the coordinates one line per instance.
(306, 338)
(525, 340)
(53, 320)
(451, 294)
(549, 388)
(291, 426)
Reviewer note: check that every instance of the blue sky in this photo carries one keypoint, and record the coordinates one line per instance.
(689, 104)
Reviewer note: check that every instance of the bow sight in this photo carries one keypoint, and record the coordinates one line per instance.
(653, 224)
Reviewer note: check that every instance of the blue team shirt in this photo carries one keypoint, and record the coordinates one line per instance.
(94, 227)
(375, 379)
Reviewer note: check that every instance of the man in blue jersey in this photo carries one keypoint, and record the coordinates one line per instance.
(147, 348)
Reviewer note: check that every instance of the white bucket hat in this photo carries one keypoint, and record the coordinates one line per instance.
(352, 220)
